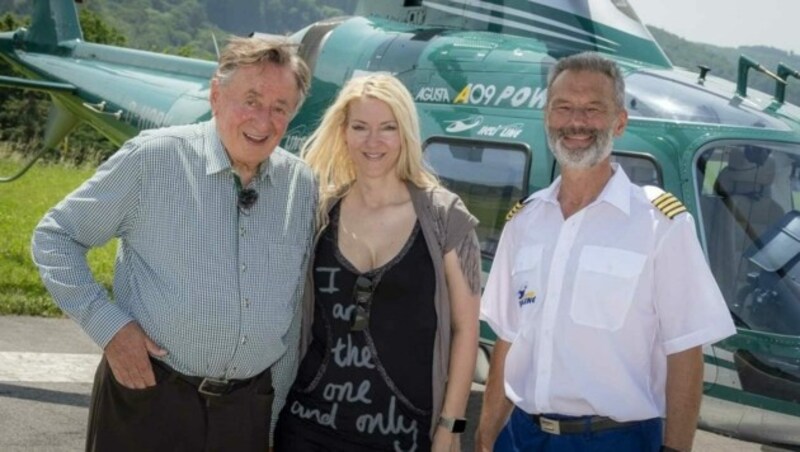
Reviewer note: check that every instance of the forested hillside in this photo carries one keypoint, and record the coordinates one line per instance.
(185, 27)
(724, 61)
(188, 28)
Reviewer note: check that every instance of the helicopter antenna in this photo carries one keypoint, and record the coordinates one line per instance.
(216, 46)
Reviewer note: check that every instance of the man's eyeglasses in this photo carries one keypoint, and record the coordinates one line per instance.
(362, 293)
(247, 198)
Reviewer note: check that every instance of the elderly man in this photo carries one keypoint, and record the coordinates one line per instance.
(215, 223)
(599, 294)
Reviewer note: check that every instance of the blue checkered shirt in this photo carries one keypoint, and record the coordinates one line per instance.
(216, 287)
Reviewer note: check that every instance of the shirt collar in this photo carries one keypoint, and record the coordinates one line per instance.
(217, 158)
(616, 192)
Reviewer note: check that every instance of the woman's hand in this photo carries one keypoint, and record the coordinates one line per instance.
(444, 441)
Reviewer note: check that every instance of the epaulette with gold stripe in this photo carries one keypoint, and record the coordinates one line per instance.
(514, 210)
(665, 201)
(669, 205)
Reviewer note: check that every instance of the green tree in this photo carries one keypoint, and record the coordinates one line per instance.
(96, 30)
(273, 16)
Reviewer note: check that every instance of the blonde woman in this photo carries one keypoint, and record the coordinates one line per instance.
(390, 329)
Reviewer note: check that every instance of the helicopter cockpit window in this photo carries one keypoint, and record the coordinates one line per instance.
(640, 169)
(749, 203)
(651, 96)
(489, 177)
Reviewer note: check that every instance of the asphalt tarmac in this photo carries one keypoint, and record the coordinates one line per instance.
(46, 370)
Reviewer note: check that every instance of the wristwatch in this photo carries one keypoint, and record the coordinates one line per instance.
(453, 424)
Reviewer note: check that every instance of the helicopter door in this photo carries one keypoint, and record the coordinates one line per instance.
(749, 201)
(490, 178)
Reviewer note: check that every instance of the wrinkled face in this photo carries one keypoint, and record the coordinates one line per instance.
(252, 109)
(373, 137)
(582, 118)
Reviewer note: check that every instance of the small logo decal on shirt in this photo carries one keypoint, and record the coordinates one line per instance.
(526, 296)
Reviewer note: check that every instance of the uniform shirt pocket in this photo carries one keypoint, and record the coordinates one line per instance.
(605, 283)
(526, 277)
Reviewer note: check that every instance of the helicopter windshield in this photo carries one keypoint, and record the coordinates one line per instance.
(749, 205)
(661, 96)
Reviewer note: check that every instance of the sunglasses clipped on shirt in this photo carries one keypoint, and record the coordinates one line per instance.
(362, 294)
(246, 198)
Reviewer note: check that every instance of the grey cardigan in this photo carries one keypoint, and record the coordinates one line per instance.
(445, 222)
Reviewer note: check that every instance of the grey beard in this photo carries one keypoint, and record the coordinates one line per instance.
(581, 159)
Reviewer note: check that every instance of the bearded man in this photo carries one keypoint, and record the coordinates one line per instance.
(599, 294)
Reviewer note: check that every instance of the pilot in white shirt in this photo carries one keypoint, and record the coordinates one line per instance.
(594, 304)
(589, 300)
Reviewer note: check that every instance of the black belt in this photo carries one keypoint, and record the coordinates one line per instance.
(212, 387)
(580, 425)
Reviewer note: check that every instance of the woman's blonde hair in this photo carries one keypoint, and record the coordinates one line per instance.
(326, 149)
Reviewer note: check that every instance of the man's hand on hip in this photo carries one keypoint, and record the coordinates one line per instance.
(128, 356)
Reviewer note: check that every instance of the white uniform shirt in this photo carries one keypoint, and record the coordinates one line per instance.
(593, 304)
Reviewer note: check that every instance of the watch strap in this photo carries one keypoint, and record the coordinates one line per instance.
(453, 424)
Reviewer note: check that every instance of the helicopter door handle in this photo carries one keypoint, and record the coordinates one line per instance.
(100, 108)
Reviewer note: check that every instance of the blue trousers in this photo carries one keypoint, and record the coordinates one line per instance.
(521, 434)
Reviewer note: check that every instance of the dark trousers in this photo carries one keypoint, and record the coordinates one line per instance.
(172, 416)
(521, 434)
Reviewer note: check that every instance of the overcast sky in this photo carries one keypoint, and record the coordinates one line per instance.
(728, 23)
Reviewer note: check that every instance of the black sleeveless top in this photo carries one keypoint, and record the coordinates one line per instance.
(370, 387)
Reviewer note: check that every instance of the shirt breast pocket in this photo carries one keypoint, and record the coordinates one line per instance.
(605, 283)
(526, 277)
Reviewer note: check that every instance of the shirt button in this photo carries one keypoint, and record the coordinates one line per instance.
(241, 231)
(246, 302)
(244, 268)
(244, 341)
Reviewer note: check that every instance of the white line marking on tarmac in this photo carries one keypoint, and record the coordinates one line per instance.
(48, 367)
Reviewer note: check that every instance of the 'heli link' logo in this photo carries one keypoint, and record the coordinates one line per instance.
(526, 296)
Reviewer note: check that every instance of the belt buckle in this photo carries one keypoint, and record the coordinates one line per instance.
(550, 426)
(213, 387)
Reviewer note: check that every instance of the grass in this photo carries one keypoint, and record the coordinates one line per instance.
(22, 204)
